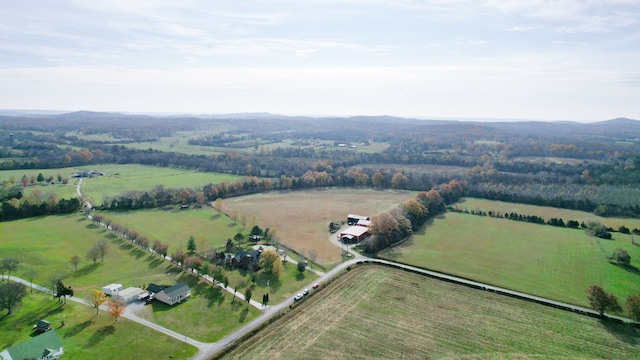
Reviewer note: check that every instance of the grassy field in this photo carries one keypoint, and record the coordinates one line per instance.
(374, 312)
(557, 263)
(87, 336)
(46, 245)
(174, 227)
(208, 315)
(62, 191)
(546, 212)
(122, 178)
(302, 217)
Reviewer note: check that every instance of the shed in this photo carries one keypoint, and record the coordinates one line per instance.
(42, 326)
(111, 289)
(353, 219)
(44, 346)
(174, 294)
(128, 295)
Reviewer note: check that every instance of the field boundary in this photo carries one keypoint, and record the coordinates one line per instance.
(498, 290)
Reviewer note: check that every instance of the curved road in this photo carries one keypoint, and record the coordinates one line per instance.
(208, 350)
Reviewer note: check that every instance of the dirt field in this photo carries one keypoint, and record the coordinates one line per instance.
(374, 312)
(302, 217)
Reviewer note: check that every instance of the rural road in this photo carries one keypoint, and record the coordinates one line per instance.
(208, 350)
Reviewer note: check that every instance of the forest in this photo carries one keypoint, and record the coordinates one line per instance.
(591, 167)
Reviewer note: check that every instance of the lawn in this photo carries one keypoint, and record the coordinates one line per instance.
(46, 245)
(558, 263)
(123, 178)
(87, 336)
(374, 312)
(208, 315)
(302, 218)
(174, 227)
(279, 289)
(545, 212)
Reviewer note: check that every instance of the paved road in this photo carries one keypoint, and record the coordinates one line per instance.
(129, 313)
(208, 350)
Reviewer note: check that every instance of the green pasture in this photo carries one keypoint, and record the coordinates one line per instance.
(87, 336)
(17, 174)
(552, 262)
(546, 212)
(108, 138)
(122, 178)
(179, 141)
(46, 244)
(63, 191)
(174, 227)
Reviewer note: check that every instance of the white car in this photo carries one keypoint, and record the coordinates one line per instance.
(298, 297)
(305, 291)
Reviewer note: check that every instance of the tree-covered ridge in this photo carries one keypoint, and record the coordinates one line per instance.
(520, 162)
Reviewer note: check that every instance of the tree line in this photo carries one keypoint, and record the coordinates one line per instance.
(389, 228)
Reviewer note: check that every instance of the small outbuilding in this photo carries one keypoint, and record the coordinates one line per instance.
(353, 219)
(174, 294)
(42, 326)
(111, 289)
(128, 295)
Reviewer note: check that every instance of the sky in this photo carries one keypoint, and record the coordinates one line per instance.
(469, 59)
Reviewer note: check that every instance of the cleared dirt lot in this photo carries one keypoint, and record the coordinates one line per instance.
(374, 312)
(302, 217)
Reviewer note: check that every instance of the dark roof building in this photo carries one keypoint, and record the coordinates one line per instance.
(174, 294)
(246, 259)
(154, 288)
(353, 219)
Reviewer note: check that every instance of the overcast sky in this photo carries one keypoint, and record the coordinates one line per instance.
(529, 59)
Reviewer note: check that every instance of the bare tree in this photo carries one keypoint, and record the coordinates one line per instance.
(93, 254)
(75, 260)
(313, 255)
(9, 265)
(29, 274)
(103, 248)
(11, 295)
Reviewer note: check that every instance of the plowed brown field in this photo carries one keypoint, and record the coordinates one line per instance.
(302, 217)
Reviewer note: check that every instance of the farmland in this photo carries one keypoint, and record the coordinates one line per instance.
(175, 226)
(123, 178)
(302, 217)
(558, 263)
(545, 212)
(376, 312)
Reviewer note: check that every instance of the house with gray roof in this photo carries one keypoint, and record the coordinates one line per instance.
(174, 294)
(46, 346)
